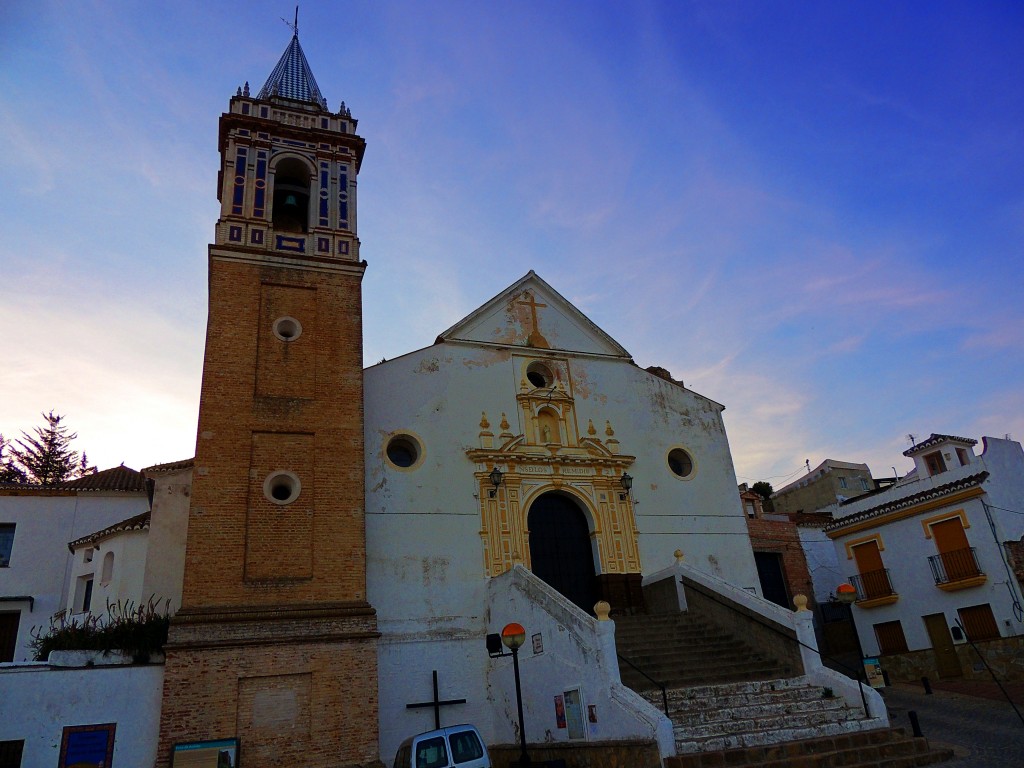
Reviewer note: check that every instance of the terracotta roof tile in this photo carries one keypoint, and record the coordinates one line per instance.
(122, 478)
(935, 439)
(136, 523)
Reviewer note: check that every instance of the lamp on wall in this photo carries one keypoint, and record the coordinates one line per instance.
(495, 478)
(626, 481)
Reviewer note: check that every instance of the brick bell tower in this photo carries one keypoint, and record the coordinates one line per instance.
(275, 644)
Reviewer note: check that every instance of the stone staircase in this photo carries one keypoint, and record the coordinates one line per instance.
(881, 748)
(680, 650)
(733, 705)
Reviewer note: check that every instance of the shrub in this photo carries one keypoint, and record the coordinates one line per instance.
(139, 631)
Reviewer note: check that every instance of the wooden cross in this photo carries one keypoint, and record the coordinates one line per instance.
(535, 338)
(436, 703)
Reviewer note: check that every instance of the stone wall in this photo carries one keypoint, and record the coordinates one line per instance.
(590, 754)
(1005, 656)
(771, 639)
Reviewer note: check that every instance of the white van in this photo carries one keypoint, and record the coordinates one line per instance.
(458, 746)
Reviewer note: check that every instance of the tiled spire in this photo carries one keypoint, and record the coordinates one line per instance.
(292, 78)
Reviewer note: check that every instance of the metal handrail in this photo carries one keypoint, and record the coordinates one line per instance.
(872, 584)
(955, 565)
(796, 640)
(664, 692)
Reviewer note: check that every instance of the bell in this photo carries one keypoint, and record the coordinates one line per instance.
(291, 201)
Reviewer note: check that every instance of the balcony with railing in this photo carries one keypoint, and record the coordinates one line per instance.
(957, 569)
(874, 588)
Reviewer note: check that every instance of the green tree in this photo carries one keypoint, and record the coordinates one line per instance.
(764, 489)
(47, 457)
(9, 471)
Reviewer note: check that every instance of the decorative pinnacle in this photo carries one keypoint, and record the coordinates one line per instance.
(590, 427)
(484, 423)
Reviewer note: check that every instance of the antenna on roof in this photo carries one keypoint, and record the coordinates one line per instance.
(293, 27)
(913, 440)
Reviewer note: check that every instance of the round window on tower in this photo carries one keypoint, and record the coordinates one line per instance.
(282, 487)
(287, 328)
(403, 451)
(681, 463)
(539, 375)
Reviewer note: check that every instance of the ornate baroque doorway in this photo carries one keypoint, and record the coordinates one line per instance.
(560, 549)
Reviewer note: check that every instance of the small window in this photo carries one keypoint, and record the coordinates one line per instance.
(935, 463)
(403, 451)
(287, 328)
(539, 375)
(864, 484)
(842, 482)
(108, 568)
(87, 554)
(282, 487)
(431, 753)
(6, 543)
(961, 454)
(979, 623)
(680, 463)
(890, 637)
(83, 594)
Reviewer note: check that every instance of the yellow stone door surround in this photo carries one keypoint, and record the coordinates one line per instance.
(537, 462)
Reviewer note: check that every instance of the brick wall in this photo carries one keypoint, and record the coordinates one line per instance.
(782, 538)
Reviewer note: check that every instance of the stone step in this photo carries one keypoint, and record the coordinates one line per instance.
(890, 748)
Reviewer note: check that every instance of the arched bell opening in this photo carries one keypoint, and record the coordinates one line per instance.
(291, 196)
(561, 551)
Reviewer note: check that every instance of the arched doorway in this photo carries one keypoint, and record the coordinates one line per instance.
(560, 550)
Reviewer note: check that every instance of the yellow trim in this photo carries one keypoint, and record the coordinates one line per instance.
(929, 522)
(955, 586)
(877, 538)
(903, 514)
(874, 602)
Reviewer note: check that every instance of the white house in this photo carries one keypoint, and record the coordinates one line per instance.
(36, 525)
(929, 559)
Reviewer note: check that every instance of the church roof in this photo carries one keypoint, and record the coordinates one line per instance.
(531, 313)
(292, 78)
(134, 523)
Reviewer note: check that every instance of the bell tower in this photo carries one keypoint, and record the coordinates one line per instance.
(275, 643)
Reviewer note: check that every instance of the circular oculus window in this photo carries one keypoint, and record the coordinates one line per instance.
(403, 451)
(287, 328)
(282, 487)
(539, 375)
(680, 463)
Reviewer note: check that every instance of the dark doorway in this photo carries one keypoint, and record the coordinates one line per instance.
(772, 578)
(560, 551)
(8, 635)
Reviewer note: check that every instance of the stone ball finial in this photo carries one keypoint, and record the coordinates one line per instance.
(800, 601)
(602, 609)
(679, 555)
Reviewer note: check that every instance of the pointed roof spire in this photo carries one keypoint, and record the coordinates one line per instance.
(292, 78)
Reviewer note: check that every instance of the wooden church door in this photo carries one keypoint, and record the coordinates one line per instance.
(560, 549)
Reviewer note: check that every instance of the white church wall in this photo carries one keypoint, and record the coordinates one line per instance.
(168, 530)
(573, 656)
(822, 562)
(38, 701)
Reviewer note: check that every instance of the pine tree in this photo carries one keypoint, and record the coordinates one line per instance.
(9, 471)
(47, 458)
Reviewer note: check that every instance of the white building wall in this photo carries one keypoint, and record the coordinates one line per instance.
(822, 563)
(37, 701)
(40, 561)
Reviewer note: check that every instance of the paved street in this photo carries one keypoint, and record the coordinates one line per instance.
(973, 719)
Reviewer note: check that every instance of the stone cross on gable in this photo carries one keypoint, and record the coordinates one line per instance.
(535, 339)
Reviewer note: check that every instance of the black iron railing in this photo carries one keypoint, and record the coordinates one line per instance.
(873, 584)
(956, 565)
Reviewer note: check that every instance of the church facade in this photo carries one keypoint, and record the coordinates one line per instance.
(354, 535)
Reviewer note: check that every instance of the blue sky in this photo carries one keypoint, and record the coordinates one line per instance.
(812, 213)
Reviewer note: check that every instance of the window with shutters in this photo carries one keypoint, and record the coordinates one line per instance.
(979, 623)
(890, 637)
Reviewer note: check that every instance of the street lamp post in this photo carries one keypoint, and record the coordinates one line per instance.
(513, 636)
(847, 595)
